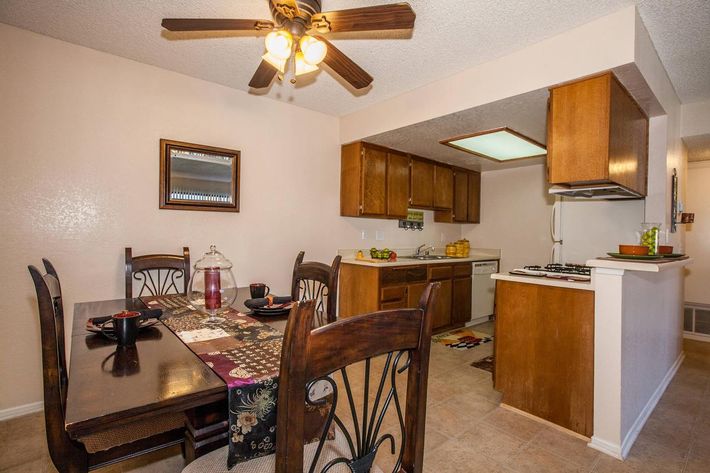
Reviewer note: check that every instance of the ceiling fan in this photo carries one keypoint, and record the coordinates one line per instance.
(294, 40)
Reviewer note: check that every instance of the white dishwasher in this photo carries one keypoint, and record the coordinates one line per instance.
(483, 292)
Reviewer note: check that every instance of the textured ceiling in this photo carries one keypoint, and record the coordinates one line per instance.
(449, 36)
(524, 113)
(698, 147)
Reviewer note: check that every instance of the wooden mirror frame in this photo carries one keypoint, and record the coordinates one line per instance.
(165, 200)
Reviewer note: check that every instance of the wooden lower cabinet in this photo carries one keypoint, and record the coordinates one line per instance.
(442, 311)
(366, 289)
(544, 352)
(461, 300)
(414, 293)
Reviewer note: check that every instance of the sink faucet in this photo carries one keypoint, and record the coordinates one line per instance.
(425, 248)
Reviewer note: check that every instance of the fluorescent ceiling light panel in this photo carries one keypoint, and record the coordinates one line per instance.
(501, 144)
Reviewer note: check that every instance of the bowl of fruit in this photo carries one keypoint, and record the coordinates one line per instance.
(385, 254)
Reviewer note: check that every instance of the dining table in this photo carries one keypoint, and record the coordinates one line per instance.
(163, 375)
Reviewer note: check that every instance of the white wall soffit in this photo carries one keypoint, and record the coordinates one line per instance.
(603, 44)
(695, 119)
(647, 60)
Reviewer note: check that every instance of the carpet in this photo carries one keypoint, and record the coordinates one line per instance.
(463, 339)
(484, 364)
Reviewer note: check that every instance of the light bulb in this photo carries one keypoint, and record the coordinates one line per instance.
(313, 49)
(279, 64)
(302, 66)
(279, 44)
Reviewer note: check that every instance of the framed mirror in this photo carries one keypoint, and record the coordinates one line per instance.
(198, 177)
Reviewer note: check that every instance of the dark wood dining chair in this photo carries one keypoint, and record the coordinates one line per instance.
(96, 450)
(398, 342)
(158, 274)
(317, 281)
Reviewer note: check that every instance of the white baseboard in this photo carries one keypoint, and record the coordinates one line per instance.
(17, 411)
(635, 430)
(611, 449)
(696, 336)
(622, 451)
(479, 320)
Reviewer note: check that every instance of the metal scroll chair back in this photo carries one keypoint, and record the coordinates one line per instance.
(319, 282)
(395, 343)
(157, 274)
(67, 455)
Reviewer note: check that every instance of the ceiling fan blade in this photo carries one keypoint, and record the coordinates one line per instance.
(210, 24)
(288, 8)
(345, 67)
(397, 16)
(263, 76)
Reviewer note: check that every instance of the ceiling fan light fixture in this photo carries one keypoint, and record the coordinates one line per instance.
(303, 66)
(279, 64)
(279, 44)
(313, 49)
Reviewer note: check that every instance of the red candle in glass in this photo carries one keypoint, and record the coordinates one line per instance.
(213, 297)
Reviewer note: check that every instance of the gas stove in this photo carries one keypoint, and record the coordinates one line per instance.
(569, 272)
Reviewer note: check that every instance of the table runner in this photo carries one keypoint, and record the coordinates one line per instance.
(246, 354)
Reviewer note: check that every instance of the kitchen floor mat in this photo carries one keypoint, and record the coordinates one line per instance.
(463, 339)
(484, 364)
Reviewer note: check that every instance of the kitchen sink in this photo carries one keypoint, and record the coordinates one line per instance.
(427, 257)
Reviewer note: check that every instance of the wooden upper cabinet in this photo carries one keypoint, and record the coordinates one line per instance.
(397, 184)
(443, 187)
(466, 195)
(597, 134)
(474, 197)
(373, 182)
(379, 182)
(460, 196)
(421, 184)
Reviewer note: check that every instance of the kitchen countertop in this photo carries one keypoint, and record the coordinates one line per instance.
(542, 281)
(410, 262)
(638, 265)
(476, 254)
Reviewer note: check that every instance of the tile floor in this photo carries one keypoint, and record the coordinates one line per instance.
(468, 432)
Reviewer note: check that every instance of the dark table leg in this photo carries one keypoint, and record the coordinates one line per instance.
(207, 430)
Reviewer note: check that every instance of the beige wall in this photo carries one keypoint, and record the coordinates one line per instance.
(515, 216)
(697, 281)
(79, 132)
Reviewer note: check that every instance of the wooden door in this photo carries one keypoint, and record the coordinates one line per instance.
(442, 309)
(460, 196)
(373, 181)
(397, 185)
(421, 184)
(474, 197)
(414, 293)
(443, 187)
(461, 300)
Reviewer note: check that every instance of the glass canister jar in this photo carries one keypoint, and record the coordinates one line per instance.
(650, 236)
(212, 288)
